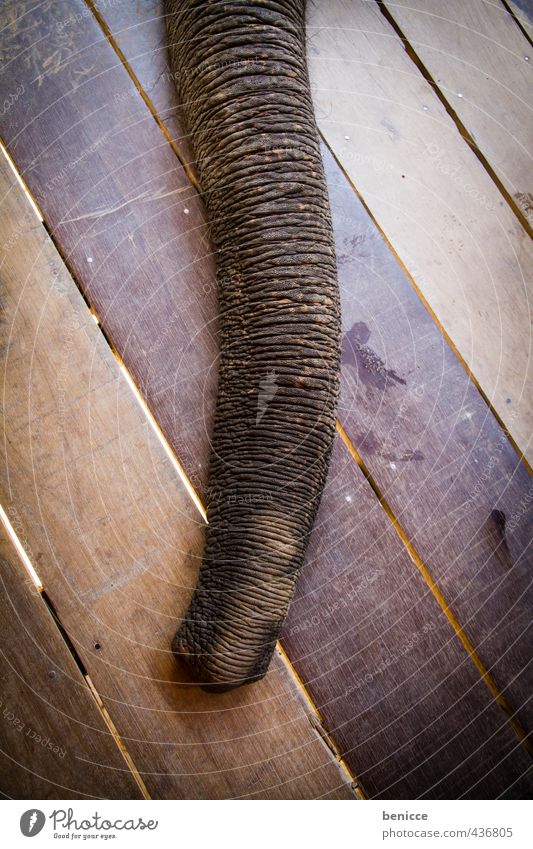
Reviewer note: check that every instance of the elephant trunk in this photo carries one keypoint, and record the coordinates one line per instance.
(242, 79)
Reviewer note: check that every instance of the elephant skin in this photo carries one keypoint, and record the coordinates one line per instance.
(241, 74)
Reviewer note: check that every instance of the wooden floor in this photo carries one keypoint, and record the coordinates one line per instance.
(404, 667)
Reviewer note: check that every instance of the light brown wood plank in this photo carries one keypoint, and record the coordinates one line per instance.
(53, 739)
(445, 218)
(117, 201)
(478, 55)
(116, 541)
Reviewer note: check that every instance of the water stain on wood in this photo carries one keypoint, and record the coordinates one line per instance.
(496, 530)
(525, 202)
(370, 368)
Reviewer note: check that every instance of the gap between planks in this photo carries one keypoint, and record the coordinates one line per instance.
(318, 727)
(463, 132)
(321, 728)
(467, 645)
(517, 21)
(28, 566)
(96, 696)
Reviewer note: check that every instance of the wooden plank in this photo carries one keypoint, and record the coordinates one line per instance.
(477, 54)
(466, 250)
(115, 198)
(389, 674)
(523, 12)
(116, 541)
(51, 725)
(435, 450)
(425, 434)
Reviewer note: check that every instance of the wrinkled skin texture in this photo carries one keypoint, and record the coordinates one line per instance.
(241, 73)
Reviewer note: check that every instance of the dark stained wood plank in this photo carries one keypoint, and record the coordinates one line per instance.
(467, 250)
(398, 692)
(54, 742)
(409, 407)
(435, 450)
(116, 541)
